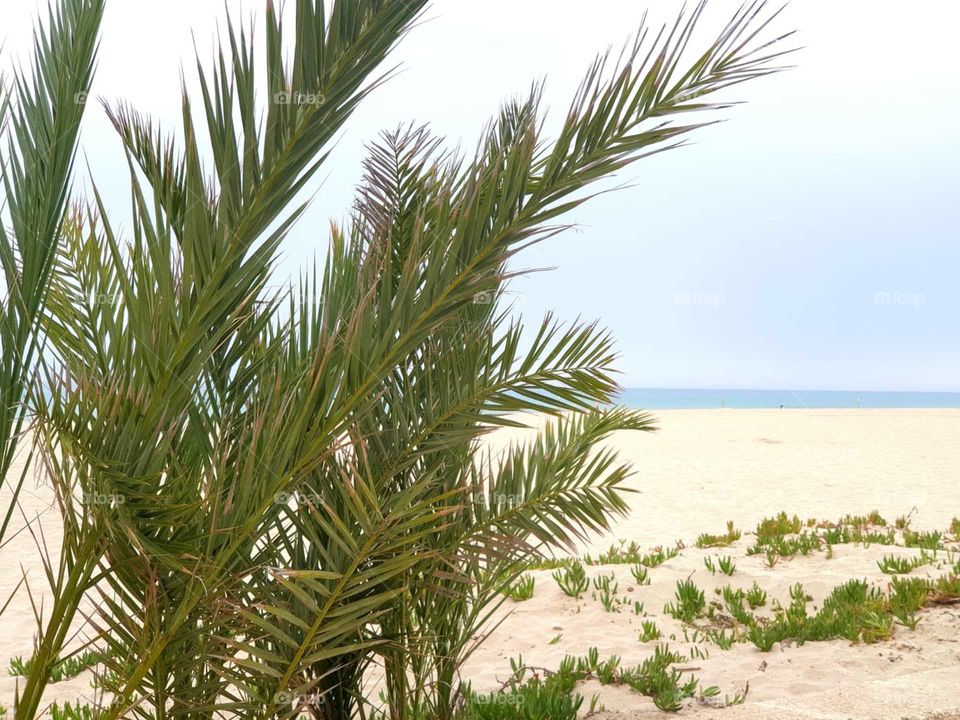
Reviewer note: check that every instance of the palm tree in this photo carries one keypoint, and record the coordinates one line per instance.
(267, 491)
(40, 114)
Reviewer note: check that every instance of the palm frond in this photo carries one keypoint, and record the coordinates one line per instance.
(40, 120)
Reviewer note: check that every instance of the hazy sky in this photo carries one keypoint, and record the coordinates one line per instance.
(811, 242)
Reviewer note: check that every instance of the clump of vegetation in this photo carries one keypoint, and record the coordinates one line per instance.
(548, 563)
(663, 684)
(861, 534)
(62, 669)
(535, 693)
(872, 518)
(640, 574)
(899, 565)
(854, 611)
(548, 695)
(572, 579)
(721, 639)
(617, 555)
(783, 537)
(74, 711)
(706, 540)
(776, 527)
(659, 555)
(605, 583)
(649, 631)
(798, 596)
(522, 589)
(733, 600)
(955, 528)
(907, 596)
(689, 602)
(607, 586)
(944, 590)
(727, 565)
(756, 596)
(932, 540)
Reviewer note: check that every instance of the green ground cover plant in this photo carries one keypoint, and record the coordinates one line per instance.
(522, 589)
(689, 602)
(63, 669)
(706, 540)
(572, 579)
(536, 693)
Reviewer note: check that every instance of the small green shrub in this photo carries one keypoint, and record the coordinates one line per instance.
(605, 583)
(690, 602)
(927, 540)
(75, 711)
(548, 563)
(656, 679)
(617, 555)
(853, 611)
(706, 540)
(756, 596)
(897, 565)
(572, 579)
(658, 556)
(63, 669)
(727, 565)
(786, 547)
(529, 695)
(733, 599)
(776, 527)
(798, 595)
(522, 589)
(609, 601)
(721, 639)
(649, 632)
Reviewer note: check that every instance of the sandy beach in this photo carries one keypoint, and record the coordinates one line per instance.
(701, 469)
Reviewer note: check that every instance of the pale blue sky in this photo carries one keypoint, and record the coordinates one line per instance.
(809, 242)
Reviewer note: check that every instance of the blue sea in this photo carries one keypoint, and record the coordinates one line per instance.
(680, 399)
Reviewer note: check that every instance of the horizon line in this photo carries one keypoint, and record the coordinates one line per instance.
(792, 390)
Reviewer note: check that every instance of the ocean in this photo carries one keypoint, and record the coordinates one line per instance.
(680, 399)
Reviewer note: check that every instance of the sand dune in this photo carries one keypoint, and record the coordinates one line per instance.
(701, 469)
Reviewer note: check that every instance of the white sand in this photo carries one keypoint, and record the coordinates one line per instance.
(700, 470)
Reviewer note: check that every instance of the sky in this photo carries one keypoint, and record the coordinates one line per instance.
(810, 241)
